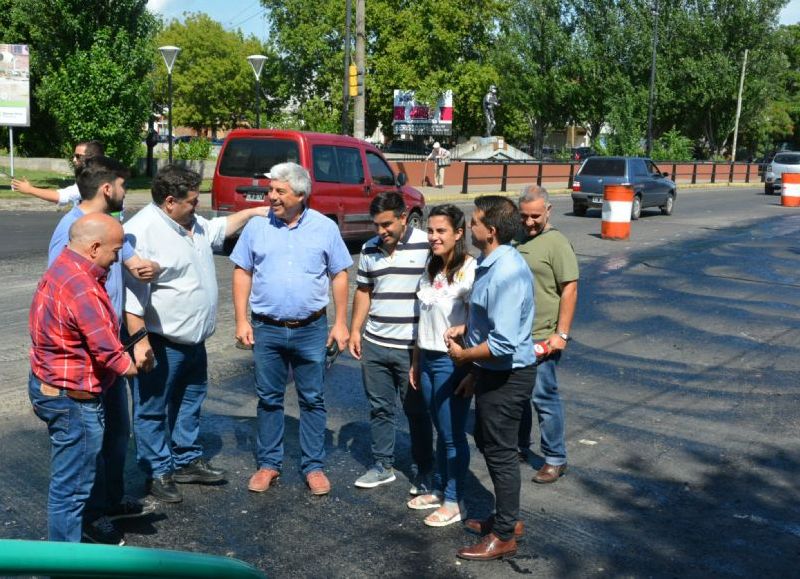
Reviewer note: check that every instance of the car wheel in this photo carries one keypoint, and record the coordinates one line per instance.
(578, 209)
(415, 220)
(669, 204)
(636, 208)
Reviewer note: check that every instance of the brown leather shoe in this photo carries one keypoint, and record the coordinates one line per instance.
(262, 478)
(491, 547)
(318, 483)
(549, 473)
(484, 527)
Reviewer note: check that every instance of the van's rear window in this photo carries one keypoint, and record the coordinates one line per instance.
(604, 167)
(787, 159)
(250, 157)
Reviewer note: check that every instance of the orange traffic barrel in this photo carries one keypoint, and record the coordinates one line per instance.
(790, 189)
(617, 206)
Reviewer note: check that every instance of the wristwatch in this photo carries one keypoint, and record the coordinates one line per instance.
(564, 336)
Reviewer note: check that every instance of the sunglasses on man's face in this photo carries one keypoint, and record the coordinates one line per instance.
(78, 156)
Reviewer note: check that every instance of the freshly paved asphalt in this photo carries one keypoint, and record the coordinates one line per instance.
(681, 397)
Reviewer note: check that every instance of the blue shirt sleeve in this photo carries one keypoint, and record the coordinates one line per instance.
(512, 288)
(127, 250)
(242, 254)
(60, 237)
(338, 257)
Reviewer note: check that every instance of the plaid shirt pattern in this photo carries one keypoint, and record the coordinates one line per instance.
(73, 327)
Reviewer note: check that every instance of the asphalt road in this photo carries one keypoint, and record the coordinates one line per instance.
(681, 399)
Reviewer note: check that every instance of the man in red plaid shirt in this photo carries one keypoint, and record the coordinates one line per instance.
(76, 354)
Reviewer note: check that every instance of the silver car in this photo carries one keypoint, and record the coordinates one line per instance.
(785, 162)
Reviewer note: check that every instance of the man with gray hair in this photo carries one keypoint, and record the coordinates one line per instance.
(555, 276)
(285, 265)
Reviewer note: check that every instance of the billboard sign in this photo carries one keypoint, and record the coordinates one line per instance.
(15, 88)
(413, 118)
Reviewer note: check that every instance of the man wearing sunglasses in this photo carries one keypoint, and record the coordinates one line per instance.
(68, 195)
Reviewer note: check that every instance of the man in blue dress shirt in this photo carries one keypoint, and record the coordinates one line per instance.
(497, 343)
(285, 265)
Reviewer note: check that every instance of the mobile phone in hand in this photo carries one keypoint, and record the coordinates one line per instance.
(331, 353)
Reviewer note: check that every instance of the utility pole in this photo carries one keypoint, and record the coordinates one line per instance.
(346, 86)
(738, 111)
(360, 104)
(649, 145)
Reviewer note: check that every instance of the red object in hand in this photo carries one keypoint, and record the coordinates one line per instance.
(541, 349)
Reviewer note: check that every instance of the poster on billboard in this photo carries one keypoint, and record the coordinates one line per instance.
(15, 90)
(413, 118)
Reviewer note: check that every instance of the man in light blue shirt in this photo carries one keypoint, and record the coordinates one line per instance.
(498, 345)
(285, 265)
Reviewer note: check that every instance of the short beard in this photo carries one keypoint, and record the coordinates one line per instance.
(114, 205)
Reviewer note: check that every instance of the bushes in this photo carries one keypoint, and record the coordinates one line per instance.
(672, 146)
(195, 150)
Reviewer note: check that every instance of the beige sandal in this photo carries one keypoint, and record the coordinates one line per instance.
(442, 517)
(422, 502)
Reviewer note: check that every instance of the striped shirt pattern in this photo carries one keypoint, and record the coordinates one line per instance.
(393, 279)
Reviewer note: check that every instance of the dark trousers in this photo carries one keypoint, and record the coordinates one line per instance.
(385, 374)
(500, 398)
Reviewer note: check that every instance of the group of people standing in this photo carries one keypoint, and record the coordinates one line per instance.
(431, 325)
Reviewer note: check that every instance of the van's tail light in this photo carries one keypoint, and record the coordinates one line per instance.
(576, 185)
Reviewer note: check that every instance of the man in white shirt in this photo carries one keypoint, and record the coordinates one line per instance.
(67, 195)
(179, 311)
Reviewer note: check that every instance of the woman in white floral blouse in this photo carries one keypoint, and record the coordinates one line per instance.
(443, 297)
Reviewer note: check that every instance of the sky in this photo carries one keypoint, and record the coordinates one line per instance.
(248, 15)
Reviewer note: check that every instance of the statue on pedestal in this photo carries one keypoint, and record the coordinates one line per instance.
(490, 101)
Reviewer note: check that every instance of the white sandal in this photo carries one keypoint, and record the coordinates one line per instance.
(422, 502)
(442, 517)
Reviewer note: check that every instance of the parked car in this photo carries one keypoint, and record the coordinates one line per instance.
(581, 153)
(784, 162)
(651, 187)
(346, 173)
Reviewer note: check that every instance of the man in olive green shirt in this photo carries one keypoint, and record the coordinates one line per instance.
(555, 273)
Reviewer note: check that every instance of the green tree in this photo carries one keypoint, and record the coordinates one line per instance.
(105, 45)
(428, 46)
(537, 61)
(213, 83)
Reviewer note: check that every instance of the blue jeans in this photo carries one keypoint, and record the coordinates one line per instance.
(109, 484)
(439, 378)
(166, 406)
(550, 411)
(276, 350)
(385, 374)
(76, 437)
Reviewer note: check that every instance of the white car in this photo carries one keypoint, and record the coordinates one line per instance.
(785, 162)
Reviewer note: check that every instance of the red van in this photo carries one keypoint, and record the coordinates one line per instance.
(346, 175)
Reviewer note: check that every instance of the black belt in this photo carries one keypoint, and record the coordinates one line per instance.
(289, 323)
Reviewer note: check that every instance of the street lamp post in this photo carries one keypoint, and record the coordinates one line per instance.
(257, 62)
(169, 53)
(649, 146)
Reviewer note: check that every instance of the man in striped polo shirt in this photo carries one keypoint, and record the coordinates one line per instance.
(389, 269)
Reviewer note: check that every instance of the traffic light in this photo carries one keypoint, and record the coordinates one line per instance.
(356, 79)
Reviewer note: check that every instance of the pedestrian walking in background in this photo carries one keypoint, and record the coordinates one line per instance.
(389, 269)
(285, 265)
(552, 262)
(76, 355)
(441, 158)
(443, 300)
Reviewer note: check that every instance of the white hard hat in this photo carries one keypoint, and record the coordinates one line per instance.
(436, 145)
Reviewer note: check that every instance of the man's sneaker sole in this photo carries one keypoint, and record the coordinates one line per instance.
(372, 485)
(89, 539)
